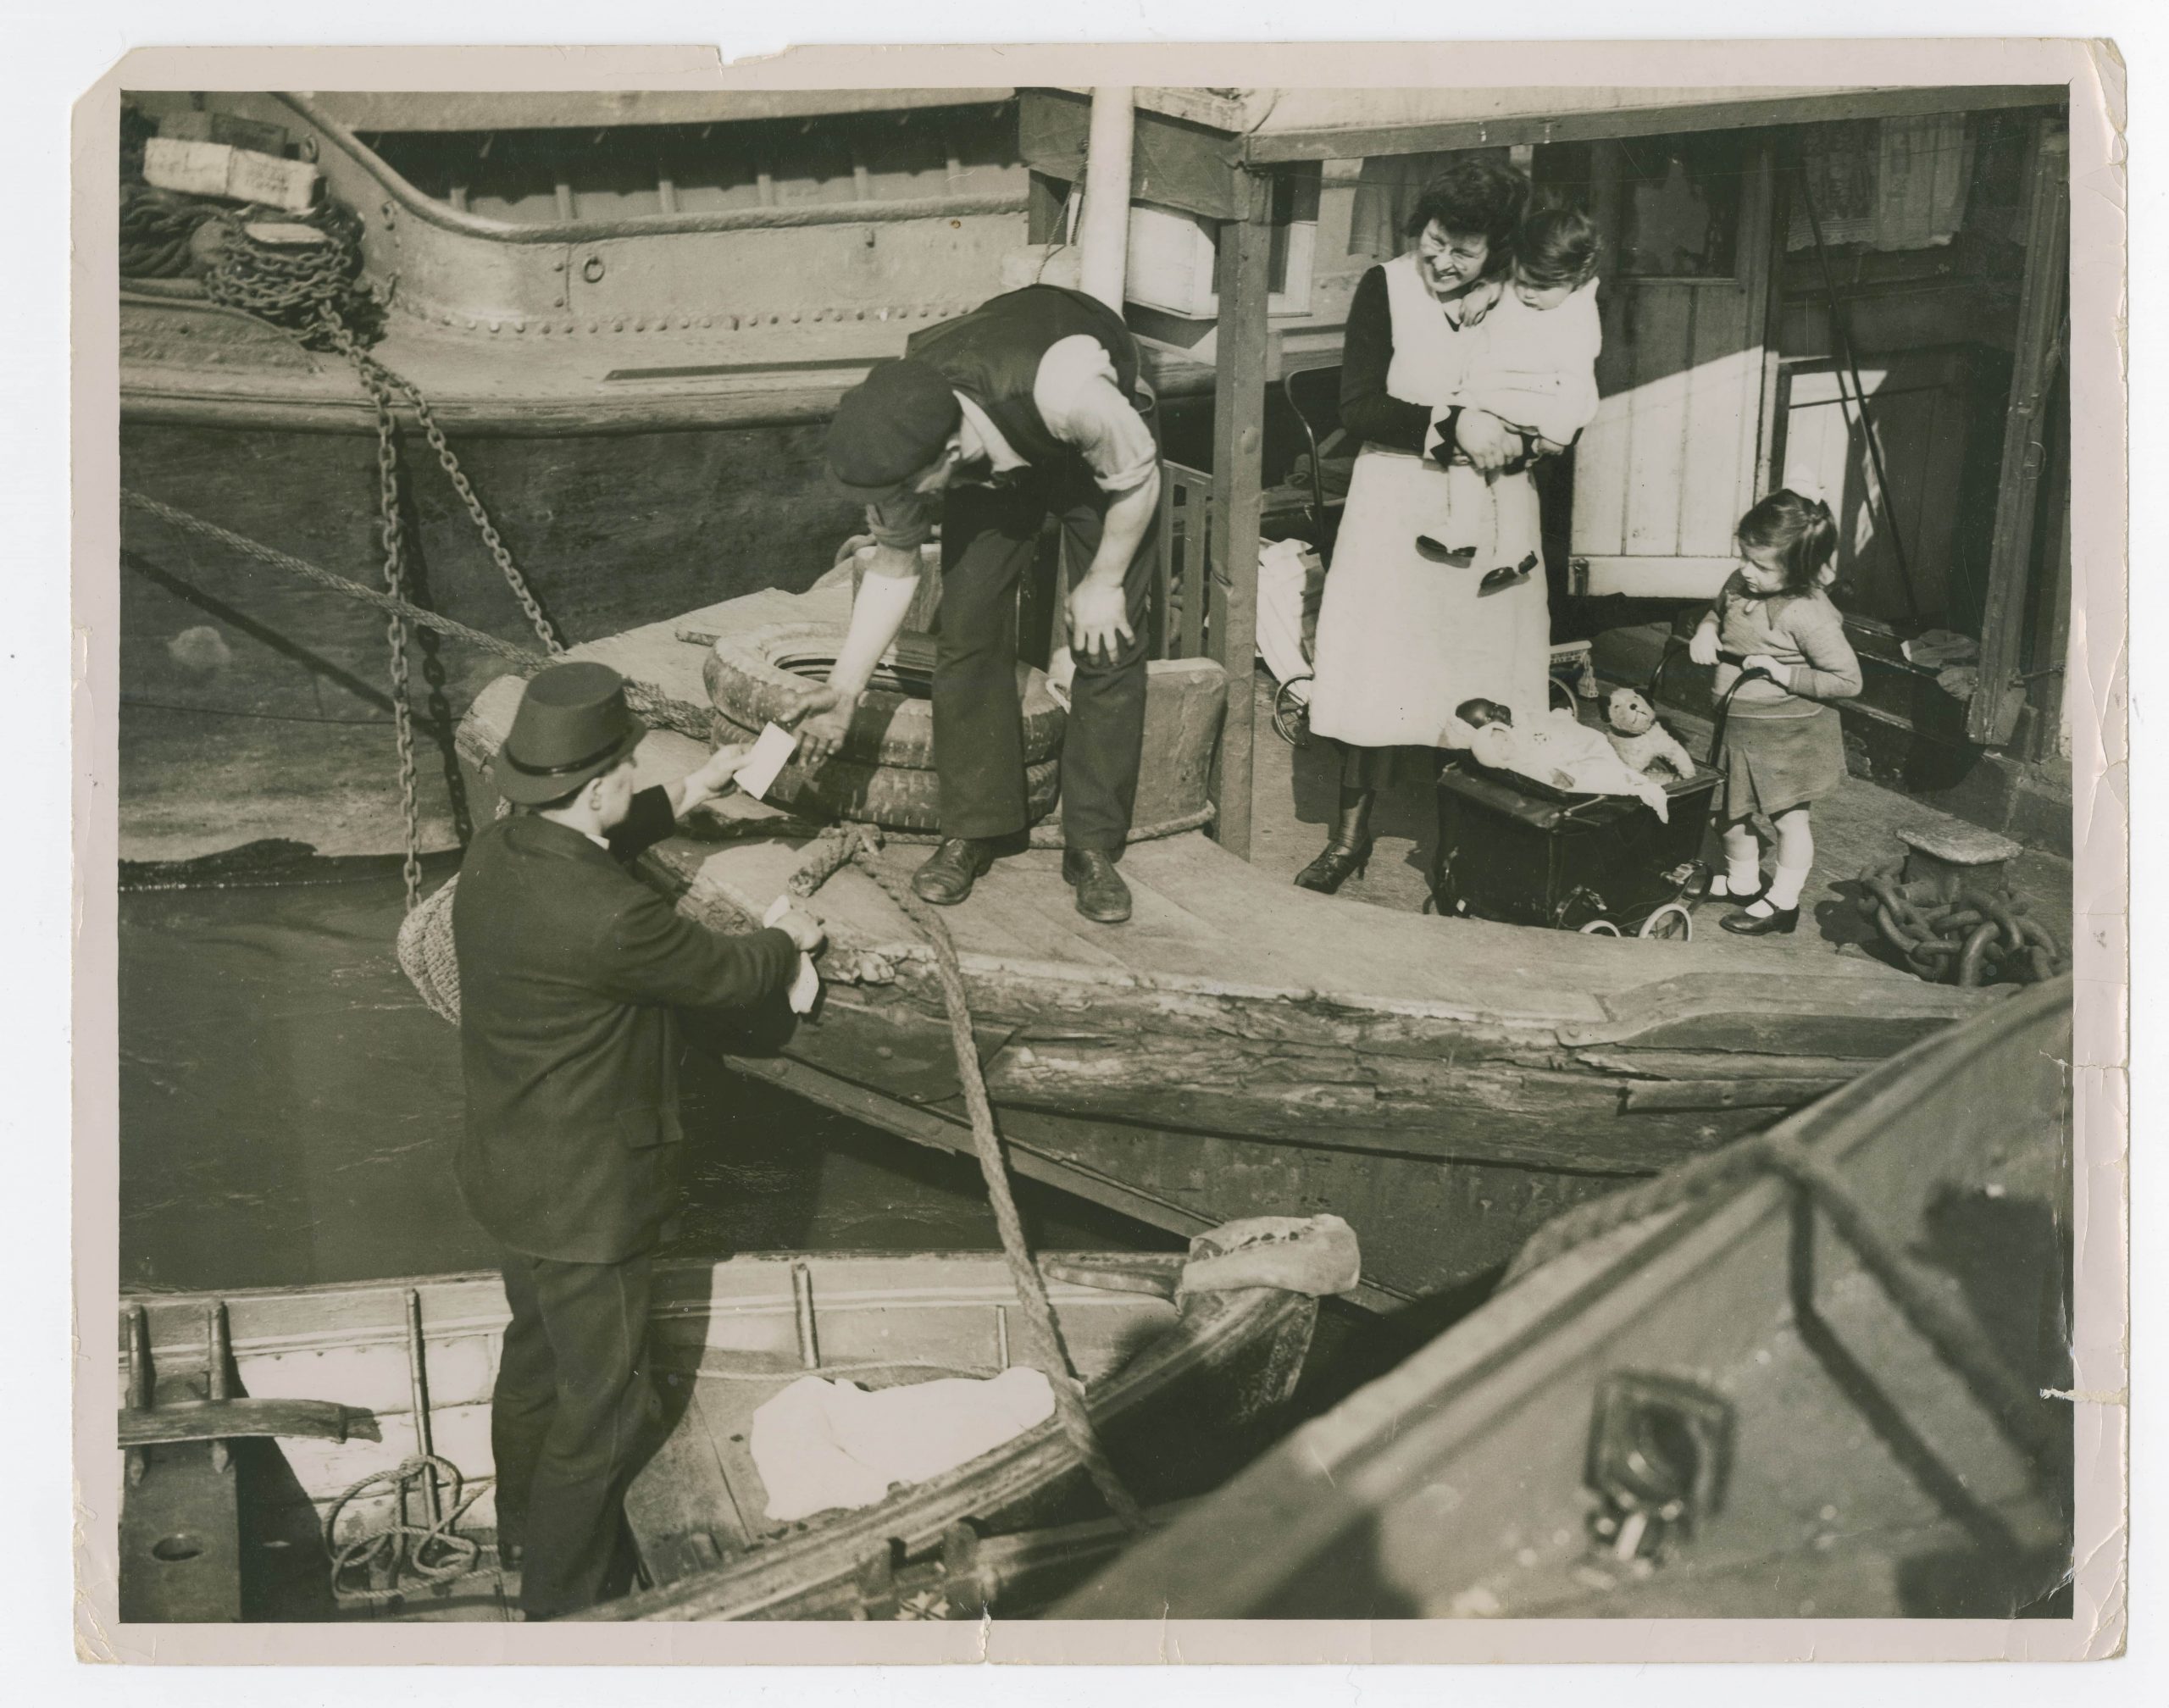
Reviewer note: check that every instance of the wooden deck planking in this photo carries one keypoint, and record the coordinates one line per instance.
(1203, 914)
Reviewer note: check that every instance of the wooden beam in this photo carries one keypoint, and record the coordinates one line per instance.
(1174, 164)
(1761, 274)
(2011, 551)
(1267, 147)
(1243, 343)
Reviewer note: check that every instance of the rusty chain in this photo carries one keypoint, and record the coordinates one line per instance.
(310, 296)
(1978, 938)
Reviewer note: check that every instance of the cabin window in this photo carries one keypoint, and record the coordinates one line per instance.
(534, 176)
(1679, 204)
(1885, 183)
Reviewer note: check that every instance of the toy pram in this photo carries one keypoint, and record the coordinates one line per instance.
(1515, 850)
(1520, 851)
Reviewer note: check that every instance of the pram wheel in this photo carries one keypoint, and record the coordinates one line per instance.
(1671, 922)
(1292, 712)
(1600, 928)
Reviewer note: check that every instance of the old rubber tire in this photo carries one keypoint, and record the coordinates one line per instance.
(749, 682)
(892, 797)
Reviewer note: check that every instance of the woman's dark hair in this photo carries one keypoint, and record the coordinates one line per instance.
(1801, 531)
(1475, 198)
(1557, 245)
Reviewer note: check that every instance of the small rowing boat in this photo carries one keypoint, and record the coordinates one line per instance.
(277, 1439)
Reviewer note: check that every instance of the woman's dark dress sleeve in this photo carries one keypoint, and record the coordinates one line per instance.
(1368, 410)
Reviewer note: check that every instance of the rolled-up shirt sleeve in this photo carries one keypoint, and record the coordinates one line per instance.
(1079, 396)
(901, 524)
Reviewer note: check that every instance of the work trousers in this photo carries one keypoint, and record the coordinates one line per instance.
(990, 535)
(574, 1417)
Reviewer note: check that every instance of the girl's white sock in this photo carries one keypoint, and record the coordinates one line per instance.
(1743, 873)
(1785, 887)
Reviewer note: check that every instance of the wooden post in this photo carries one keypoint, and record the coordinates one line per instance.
(2011, 551)
(1761, 276)
(1238, 426)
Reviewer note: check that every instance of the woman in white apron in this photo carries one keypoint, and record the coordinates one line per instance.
(1403, 638)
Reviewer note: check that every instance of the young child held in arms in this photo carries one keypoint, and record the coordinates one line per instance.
(1784, 747)
(1535, 370)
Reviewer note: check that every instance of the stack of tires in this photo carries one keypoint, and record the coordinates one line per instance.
(883, 774)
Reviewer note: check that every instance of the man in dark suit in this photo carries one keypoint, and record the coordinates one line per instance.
(569, 972)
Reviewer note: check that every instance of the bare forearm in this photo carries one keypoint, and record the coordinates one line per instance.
(877, 615)
(1129, 519)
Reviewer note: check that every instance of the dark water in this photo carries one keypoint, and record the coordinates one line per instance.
(288, 1110)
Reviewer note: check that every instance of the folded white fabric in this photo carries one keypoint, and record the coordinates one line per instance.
(821, 1444)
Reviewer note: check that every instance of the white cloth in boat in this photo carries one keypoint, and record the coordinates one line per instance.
(1562, 751)
(1402, 640)
(822, 1445)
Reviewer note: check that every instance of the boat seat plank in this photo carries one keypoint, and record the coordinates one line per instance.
(681, 1508)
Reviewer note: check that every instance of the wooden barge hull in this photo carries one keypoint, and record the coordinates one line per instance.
(1242, 1047)
(1858, 1476)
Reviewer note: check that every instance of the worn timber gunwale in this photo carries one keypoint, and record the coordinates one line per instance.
(1243, 1047)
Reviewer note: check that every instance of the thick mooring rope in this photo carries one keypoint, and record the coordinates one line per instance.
(855, 845)
(679, 715)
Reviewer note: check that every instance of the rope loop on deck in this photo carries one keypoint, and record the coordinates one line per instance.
(406, 1556)
(857, 844)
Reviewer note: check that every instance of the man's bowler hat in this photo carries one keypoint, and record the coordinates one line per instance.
(572, 725)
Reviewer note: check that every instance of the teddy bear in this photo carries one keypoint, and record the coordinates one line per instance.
(1638, 739)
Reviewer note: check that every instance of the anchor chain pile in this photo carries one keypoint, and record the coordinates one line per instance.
(1977, 937)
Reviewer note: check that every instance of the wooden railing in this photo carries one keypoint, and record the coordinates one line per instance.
(1181, 604)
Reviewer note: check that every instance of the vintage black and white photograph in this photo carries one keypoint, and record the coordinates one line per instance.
(1104, 852)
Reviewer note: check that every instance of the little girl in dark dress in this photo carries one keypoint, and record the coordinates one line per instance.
(1783, 748)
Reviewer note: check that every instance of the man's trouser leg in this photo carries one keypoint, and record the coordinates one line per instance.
(1103, 738)
(578, 1455)
(989, 537)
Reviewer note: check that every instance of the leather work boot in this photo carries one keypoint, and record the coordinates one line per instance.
(950, 870)
(1101, 895)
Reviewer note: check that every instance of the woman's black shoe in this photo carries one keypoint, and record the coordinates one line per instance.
(1779, 923)
(1340, 862)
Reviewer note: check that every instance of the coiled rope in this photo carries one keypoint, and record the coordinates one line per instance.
(431, 1553)
(856, 845)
